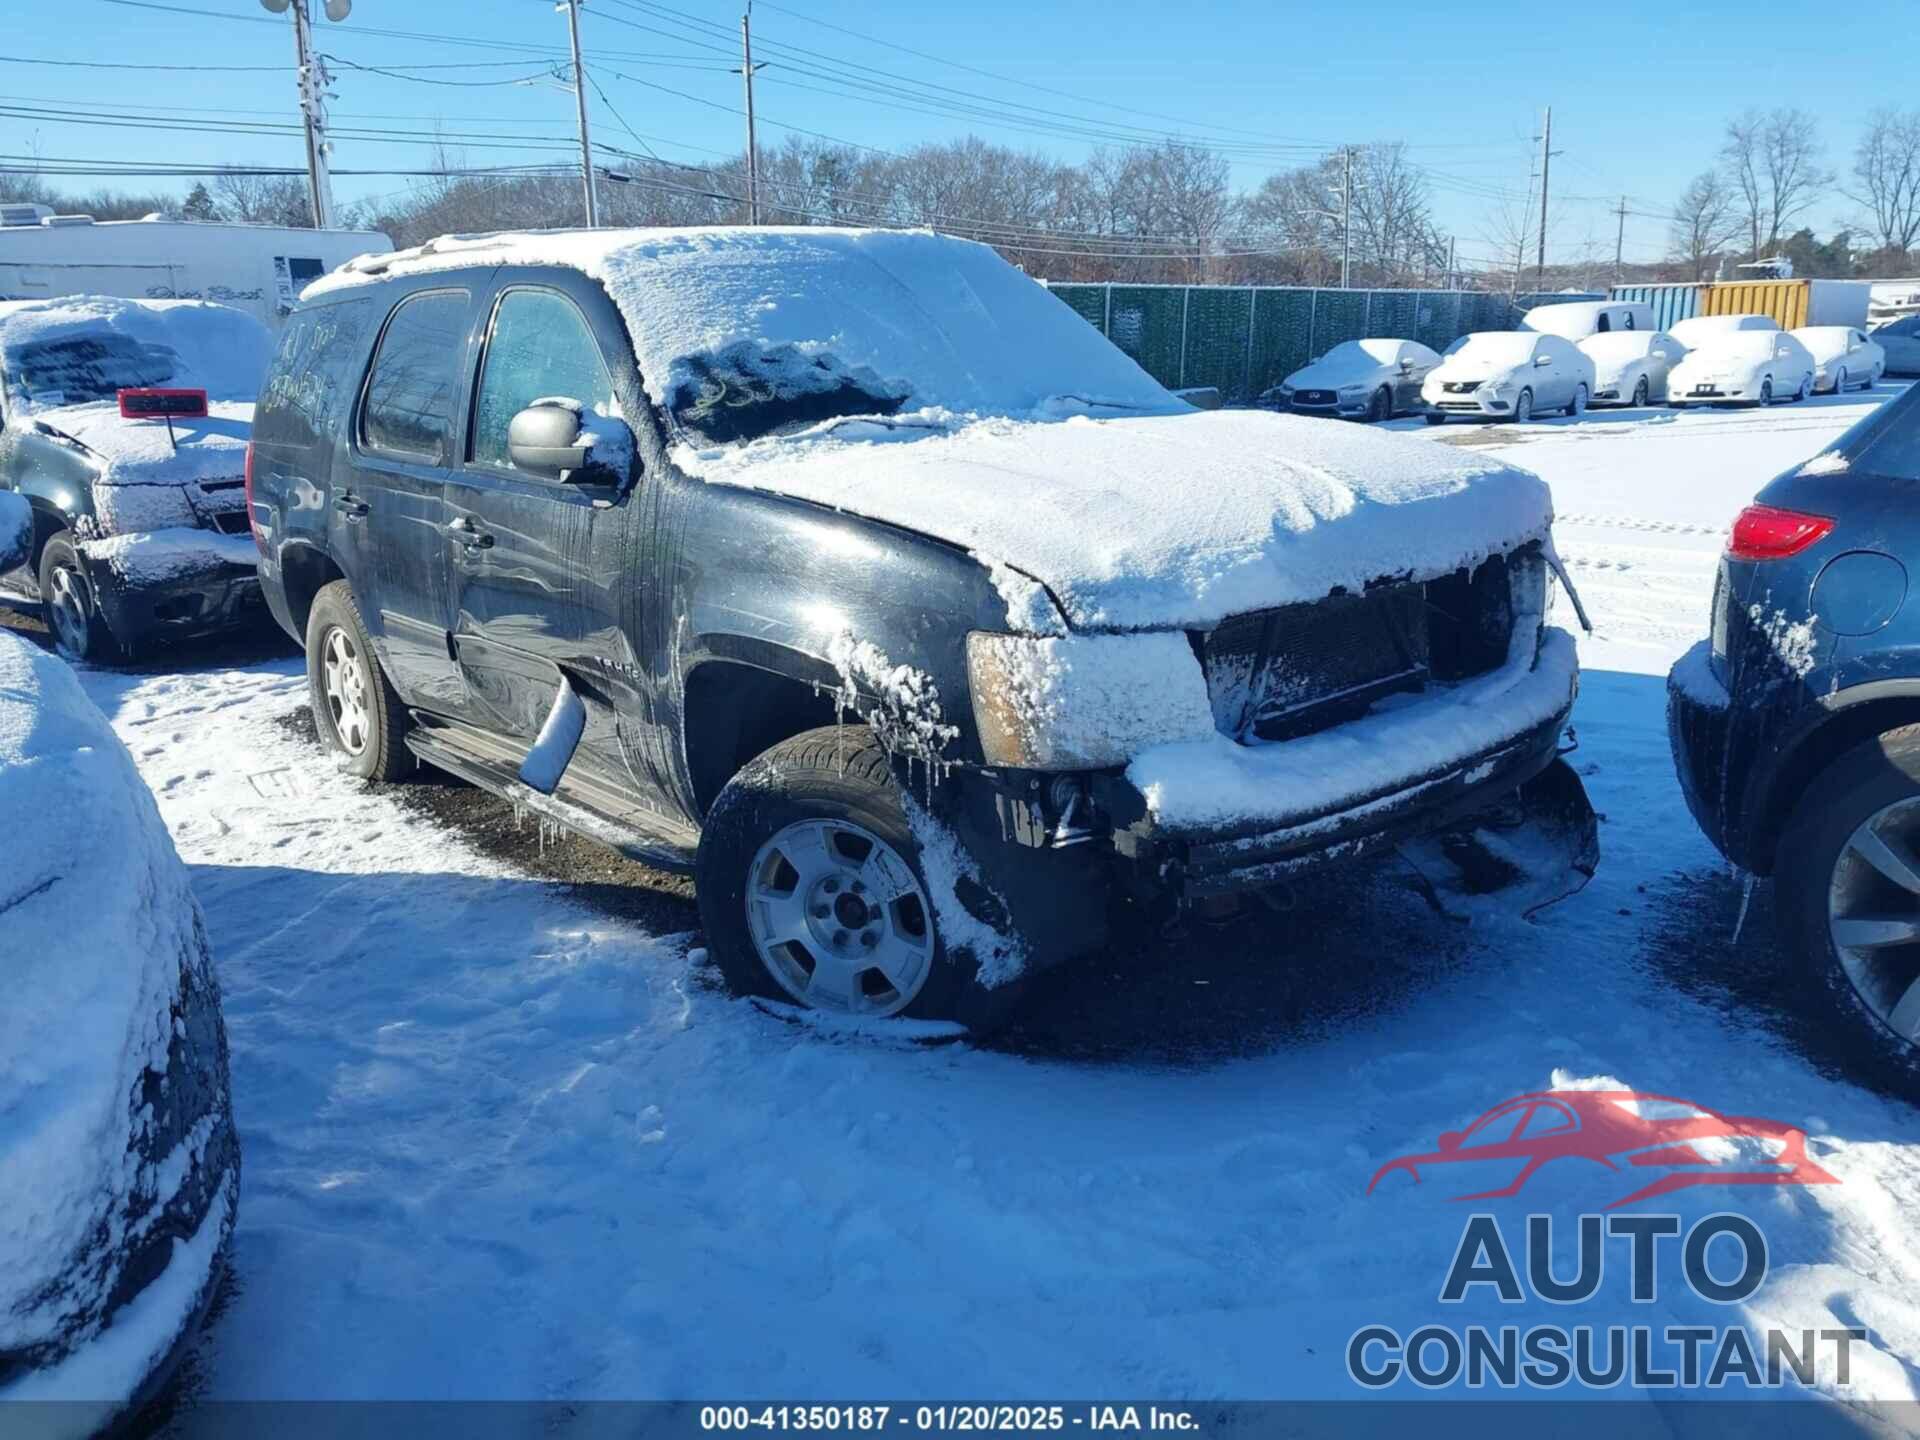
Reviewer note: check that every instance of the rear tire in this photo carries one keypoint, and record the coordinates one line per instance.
(355, 708)
(80, 632)
(1829, 887)
(782, 853)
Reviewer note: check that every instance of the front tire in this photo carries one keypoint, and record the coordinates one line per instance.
(1434, 417)
(811, 889)
(1577, 406)
(80, 631)
(355, 708)
(1766, 393)
(1849, 892)
(1840, 382)
(1806, 388)
(1523, 408)
(1381, 407)
(1641, 392)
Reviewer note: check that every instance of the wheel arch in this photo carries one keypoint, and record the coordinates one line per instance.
(1857, 715)
(304, 569)
(734, 710)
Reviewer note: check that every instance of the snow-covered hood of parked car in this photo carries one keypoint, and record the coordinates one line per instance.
(1156, 521)
(1330, 373)
(1474, 371)
(139, 452)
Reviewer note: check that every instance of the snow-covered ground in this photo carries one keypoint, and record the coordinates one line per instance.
(499, 1142)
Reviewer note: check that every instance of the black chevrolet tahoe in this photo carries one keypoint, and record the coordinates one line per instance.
(855, 574)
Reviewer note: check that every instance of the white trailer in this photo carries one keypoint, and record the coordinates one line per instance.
(257, 268)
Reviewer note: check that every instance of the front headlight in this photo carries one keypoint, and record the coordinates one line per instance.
(1083, 702)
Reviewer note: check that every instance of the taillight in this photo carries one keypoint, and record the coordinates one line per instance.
(246, 487)
(1765, 532)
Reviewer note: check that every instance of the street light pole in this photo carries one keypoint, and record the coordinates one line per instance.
(572, 7)
(313, 80)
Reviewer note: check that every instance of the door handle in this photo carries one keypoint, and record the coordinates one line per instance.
(463, 529)
(351, 506)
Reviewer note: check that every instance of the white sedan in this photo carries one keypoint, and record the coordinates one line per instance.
(1699, 329)
(1359, 380)
(1842, 357)
(1743, 367)
(1630, 367)
(1508, 375)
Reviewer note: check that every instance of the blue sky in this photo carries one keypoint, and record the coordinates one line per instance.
(1639, 91)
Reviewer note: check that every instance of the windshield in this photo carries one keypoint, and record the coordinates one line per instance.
(745, 334)
(1886, 443)
(1493, 347)
(84, 350)
(1745, 345)
(1618, 345)
(80, 369)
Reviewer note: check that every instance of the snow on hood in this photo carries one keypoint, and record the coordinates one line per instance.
(832, 321)
(96, 921)
(1159, 521)
(1347, 363)
(139, 452)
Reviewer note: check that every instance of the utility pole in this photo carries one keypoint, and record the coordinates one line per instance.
(1620, 239)
(1546, 161)
(572, 7)
(1346, 216)
(747, 67)
(1453, 242)
(313, 81)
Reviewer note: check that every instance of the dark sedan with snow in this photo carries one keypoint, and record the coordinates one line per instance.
(124, 423)
(119, 1170)
(854, 573)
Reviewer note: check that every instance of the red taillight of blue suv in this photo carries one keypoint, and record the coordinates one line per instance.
(1766, 532)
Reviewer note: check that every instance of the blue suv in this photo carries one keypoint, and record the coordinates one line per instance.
(1796, 727)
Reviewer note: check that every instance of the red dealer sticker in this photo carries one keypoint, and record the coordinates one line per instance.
(153, 404)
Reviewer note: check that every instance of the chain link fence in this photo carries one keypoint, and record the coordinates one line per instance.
(1244, 340)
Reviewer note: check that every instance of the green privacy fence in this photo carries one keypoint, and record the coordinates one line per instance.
(1246, 339)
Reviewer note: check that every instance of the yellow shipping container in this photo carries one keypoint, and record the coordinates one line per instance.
(1784, 300)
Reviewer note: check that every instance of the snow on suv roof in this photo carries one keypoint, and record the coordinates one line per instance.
(867, 322)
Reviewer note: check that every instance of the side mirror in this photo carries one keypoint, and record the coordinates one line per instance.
(1406, 366)
(1449, 1142)
(16, 531)
(1540, 360)
(548, 439)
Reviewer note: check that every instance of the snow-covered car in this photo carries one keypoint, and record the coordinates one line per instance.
(1630, 367)
(119, 1169)
(908, 613)
(1899, 341)
(1577, 319)
(1742, 367)
(1843, 356)
(1508, 375)
(125, 425)
(1358, 380)
(1697, 330)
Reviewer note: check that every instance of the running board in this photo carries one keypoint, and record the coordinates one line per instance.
(581, 803)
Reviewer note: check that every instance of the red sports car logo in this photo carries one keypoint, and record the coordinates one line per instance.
(1625, 1131)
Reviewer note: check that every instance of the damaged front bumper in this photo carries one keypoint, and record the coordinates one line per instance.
(180, 583)
(1472, 776)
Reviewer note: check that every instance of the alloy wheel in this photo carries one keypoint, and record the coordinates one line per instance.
(70, 609)
(1873, 915)
(839, 919)
(1523, 407)
(346, 682)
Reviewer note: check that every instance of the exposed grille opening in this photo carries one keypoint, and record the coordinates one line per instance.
(1277, 674)
(231, 522)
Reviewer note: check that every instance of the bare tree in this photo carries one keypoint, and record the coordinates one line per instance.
(1773, 163)
(253, 199)
(1706, 219)
(1886, 172)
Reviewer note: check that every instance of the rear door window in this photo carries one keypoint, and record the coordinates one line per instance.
(414, 384)
(540, 347)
